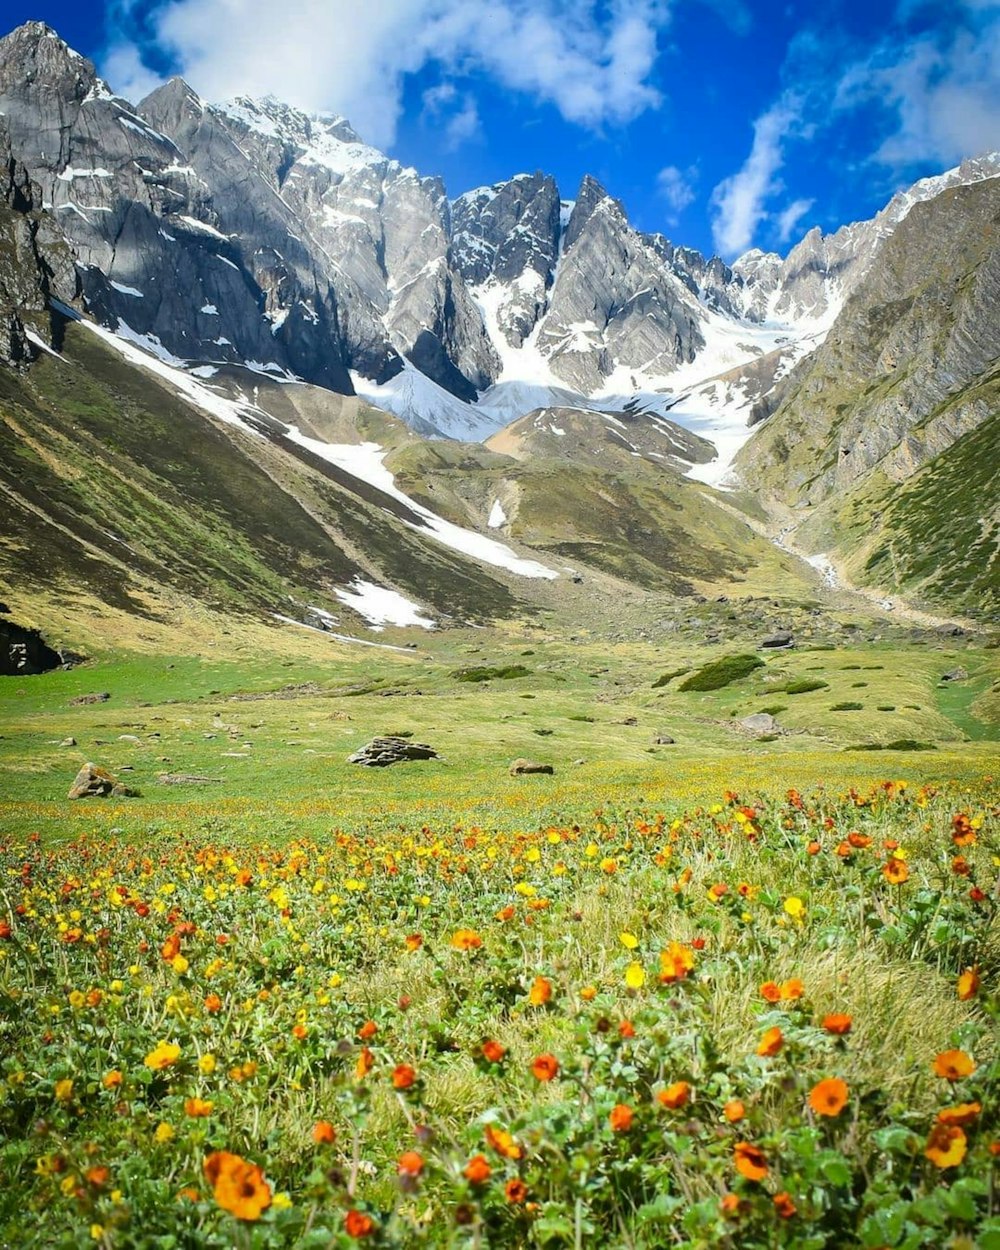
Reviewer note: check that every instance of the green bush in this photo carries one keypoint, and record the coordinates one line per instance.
(804, 685)
(669, 677)
(847, 707)
(722, 672)
(484, 673)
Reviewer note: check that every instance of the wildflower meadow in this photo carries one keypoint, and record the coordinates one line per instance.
(757, 1022)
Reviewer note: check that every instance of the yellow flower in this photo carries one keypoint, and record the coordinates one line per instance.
(795, 907)
(179, 964)
(628, 940)
(635, 976)
(164, 1132)
(162, 1056)
(64, 1090)
(206, 1065)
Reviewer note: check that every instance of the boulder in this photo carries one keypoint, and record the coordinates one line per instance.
(91, 780)
(663, 740)
(760, 723)
(68, 742)
(521, 767)
(381, 752)
(779, 639)
(956, 674)
(82, 699)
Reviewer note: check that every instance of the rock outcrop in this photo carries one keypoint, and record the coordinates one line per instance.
(383, 752)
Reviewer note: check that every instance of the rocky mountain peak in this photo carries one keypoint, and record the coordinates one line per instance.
(588, 199)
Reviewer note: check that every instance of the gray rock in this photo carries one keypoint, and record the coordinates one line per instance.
(522, 767)
(92, 780)
(760, 723)
(664, 740)
(129, 738)
(956, 674)
(383, 752)
(780, 638)
(68, 742)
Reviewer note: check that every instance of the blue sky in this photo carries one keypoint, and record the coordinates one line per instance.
(724, 123)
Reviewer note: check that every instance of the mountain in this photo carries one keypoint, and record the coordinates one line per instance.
(883, 442)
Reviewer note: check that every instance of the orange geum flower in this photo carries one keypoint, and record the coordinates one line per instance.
(466, 940)
(493, 1052)
(784, 1205)
(213, 1003)
(860, 841)
(409, 1164)
(674, 1096)
(477, 1171)
(515, 1191)
(968, 984)
(837, 1023)
(367, 1030)
(414, 941)
(750, 1161)
(961, 1116)
(953, 1065)
(502, 1142)
(621, 1117)
(732, 1206)
(829, 1097)
(196, 1107)
(771, 1042)
(540, 992)
(946, 1146)
(895, 871)
(675, 963)
(545, 1067)
(112, 1079)
(588, 993)
(323, 1133)
(734, 1110)
(771, 991)
(300, 1032)
(98, 1176)
(357, 1224)
(365, 1063)
(792, 989)
(403, 1076)
(239, 1187)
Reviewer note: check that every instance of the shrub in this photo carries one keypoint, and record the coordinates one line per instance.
(722, 672)
(774, 709)
(484, 673)
(804, 685)
(847, 707)
(669, 677)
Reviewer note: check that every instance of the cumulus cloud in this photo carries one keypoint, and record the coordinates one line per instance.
(590, 59)
(676, 187)
(453, 114)
(740, 201)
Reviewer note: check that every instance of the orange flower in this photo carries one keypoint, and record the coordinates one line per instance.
(829, 1097)
(98, 1176)
(502, 1142)
(403, 1076)
(961, 1116)
(626, 1029)
(792, 989)
(515, 1191)
(239, 1187)
(968, 984)
(946, 1146)
(962, 832)
(323, 1133)
(732, 1206)
(409, 1164)
(213, 1003)
(358, 1225)
(365, 1063)
(545, 1067)
(367, 1030)
(750, 1161)
(466, 940)
(621, 1117)
(477, 1170)
(540, 992)
(771, 991)
(734, 1111)
(493, 1051)
(953, 1065)
(112, 1079)
(674, 1096)
(300, 1032)
(414, 941)
(675, 963)
(895, 871)
(837, 1023)
(588, 993)
(859, 841)
(771, 1042)
(197, 1107)
(784, 1205)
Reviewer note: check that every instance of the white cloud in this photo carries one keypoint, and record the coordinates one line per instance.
(740, 200)
(790, 217)
(945, 96)
(451, 113)
(591, 59)
(676, 187)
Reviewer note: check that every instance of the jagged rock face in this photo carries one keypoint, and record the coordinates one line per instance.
(139, 218)
(36, 264)
(613, 303)
(508, 236)
(886, 387)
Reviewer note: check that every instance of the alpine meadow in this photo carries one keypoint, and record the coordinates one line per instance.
(498, 708)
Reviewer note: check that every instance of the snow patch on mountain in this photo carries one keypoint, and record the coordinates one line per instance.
(380, 606)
